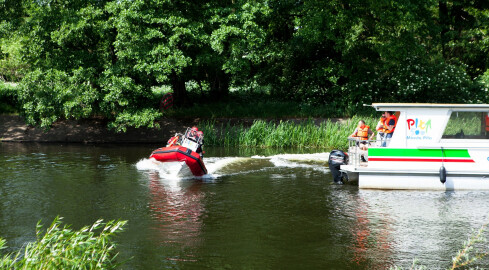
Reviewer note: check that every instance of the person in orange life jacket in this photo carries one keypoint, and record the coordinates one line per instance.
(175, 140)
(487, 124)
(389, 126)
(380, 129)
(361, 132)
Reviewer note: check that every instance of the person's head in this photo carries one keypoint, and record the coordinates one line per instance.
(387, 113)
(383, 115)
(361, 124)
(200, 133)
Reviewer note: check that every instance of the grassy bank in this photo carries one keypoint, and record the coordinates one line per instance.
(326, 135)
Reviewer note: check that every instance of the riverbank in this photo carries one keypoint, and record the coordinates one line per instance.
(14, 129)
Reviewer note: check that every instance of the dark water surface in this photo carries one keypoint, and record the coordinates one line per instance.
(256, 210)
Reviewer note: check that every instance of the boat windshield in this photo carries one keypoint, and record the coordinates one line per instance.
(467, 125)
(192, 139)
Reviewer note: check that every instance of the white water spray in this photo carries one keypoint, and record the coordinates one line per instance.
(223, 166)
(316, 161)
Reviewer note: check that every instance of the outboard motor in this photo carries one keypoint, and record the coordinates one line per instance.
(336, 159)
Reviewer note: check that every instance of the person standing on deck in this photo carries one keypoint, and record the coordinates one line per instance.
(389, 126)
(200, 150)
(380, 130)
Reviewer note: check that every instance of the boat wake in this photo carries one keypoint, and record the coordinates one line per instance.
(227, 166)
(315, 161)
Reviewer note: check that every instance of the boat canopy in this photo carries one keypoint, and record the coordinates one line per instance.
(454, 107)
(423, 124)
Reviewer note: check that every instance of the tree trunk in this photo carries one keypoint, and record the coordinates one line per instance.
(180, 97)
(220, 85)
(444, 22)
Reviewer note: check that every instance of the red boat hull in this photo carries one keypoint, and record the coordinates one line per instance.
(180, 153)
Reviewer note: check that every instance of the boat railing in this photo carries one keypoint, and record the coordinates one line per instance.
(191, 141)
(357, 156)
(354, 152)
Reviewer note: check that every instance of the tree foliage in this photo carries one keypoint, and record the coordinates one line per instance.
(78, 59)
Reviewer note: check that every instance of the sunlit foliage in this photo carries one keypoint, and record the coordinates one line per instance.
(318, 53)
(60, 247)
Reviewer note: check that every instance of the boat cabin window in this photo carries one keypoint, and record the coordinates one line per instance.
(467, 125)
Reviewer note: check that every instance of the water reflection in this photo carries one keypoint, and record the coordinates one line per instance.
(177, 209)
(368, 240)
(396, 227)
(372, 237)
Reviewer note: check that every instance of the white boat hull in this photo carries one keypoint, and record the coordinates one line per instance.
(422, 180)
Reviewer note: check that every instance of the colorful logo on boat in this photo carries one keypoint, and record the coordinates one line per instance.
(418, 129)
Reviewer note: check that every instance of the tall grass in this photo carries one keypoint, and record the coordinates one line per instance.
(468, 122)
(63, 248)
(327, 134)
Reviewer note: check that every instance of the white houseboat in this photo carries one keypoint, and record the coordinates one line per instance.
(434, 146)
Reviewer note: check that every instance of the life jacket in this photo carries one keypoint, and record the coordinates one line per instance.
(386, 124)
(362, 133)
(487, 122)
(380, 128)
(172, 141)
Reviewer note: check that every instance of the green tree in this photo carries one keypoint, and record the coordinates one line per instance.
(156, 42)
(70, 48)
(464, 25)
(79, 59)
(11, 17)
(239, 42)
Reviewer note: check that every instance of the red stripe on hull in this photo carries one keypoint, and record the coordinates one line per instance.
(421, 160)
(180, 153)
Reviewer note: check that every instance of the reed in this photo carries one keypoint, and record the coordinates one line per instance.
(60, 247)
(327, 134)
(468, 124)
(472, 252)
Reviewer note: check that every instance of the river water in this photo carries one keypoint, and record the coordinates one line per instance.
(257, 209)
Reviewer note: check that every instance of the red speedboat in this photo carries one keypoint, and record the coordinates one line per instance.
(184, 151)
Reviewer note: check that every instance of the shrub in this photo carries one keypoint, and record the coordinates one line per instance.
(9, 102)
(49, 95)
(63, 248)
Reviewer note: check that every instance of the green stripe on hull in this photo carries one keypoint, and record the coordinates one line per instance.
(401, 152)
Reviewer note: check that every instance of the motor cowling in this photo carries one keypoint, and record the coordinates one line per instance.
(336, 159)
